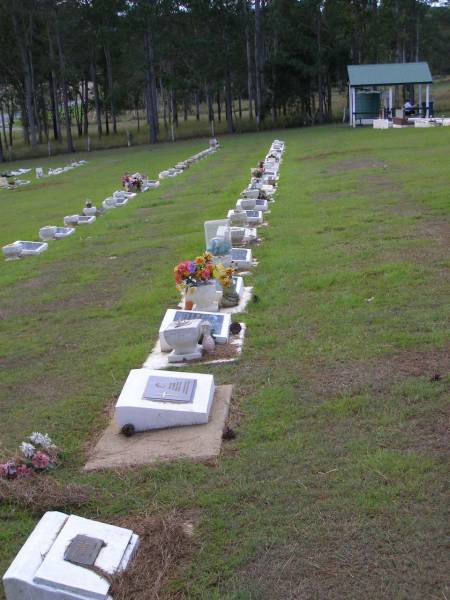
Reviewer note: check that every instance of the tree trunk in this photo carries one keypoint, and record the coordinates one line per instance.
(219, 107)
(259, 63)
(11, 112)
(25, 123)
(209, 102)
(25, 53)
(152, 108)
(197, 106)
(86, 107)
(174, 106)
(3, 125)
(44, 118)
(319, 63)
(2, 157)
(248, 48)
(164, 103)
(136, 106)
(98, 112)
(62, 68)
(53, 107)
(109, 77)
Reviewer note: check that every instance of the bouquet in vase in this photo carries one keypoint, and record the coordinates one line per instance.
(132, 183)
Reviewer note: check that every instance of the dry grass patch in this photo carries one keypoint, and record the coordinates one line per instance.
(165, 544)
(40, 493)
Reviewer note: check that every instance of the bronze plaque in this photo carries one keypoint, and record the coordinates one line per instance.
(83, 550)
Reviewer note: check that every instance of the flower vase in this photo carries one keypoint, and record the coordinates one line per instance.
(230, 297)
(204, 297)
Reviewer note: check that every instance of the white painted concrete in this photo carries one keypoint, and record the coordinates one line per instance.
(39, 571)
(132, 408)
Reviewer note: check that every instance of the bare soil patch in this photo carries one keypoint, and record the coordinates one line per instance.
(353, 164)
(376, 374)
(330, 196)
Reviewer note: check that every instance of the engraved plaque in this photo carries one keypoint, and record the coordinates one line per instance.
(216, 321)
(252, 213)
(83, 550)
(239, 254)
(170, 389)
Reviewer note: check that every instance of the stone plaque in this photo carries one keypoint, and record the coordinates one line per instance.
(215, 320)
(168, 389)
(252, 213)
(239, 254)
(83, 550)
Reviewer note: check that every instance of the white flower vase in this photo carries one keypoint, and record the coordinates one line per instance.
(204, 297)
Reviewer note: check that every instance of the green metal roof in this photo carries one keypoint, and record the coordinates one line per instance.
(389, 74)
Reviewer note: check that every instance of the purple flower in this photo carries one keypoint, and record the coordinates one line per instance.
(8, 470)
(192, 267)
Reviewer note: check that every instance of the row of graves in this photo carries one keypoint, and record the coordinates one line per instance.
(160, 414)
(132, 184)
(9, 181)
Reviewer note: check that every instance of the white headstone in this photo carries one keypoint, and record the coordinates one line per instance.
(135, 405)
(41, 572)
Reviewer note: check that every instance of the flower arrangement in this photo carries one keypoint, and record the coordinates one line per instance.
(257, 173)
(38, 454)
(224, 275)
(192, 273)
(132, 182)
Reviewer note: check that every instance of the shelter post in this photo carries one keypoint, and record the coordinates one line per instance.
(427, 101)
(350, 107)
(354, 107)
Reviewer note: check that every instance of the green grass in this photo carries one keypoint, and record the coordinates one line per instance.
(335, 485)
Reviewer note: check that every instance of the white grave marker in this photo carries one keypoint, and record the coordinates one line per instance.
(220, 322)
(157, 399)
(242, 258)
(41, 570)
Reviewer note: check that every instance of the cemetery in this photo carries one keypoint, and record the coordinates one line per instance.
(260, 342)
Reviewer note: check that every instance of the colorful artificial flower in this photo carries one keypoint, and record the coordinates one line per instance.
(41, 439)
(8, 470)
(40, 461)
(28, 450)
(23, 471)
(191, 273)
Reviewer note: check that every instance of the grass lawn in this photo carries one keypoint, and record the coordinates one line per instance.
(335, 486)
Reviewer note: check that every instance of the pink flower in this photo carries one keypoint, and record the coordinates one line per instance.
(40, 460)
(23, 471)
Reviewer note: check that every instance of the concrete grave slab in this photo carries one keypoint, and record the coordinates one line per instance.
(230, 352)
(198, 442)
(220, 323)
(41, 572)
(242, 258)
(152, 399)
